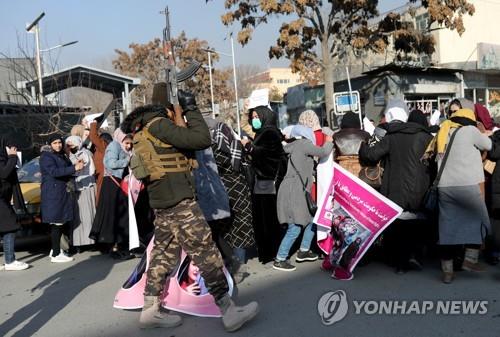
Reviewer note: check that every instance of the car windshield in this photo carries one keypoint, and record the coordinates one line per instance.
(30, 172)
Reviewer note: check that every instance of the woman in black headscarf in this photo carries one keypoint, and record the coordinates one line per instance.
(8, 224)
(269, 166)
(57, 191)
(418, 117)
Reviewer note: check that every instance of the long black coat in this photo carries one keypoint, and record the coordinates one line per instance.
(8, 178)
(494, 155)
(406, 178)
(57, 203)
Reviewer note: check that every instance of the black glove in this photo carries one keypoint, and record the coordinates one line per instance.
(187, 100)
(99, 119)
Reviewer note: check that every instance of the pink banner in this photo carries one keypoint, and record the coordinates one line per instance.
(180, 296)
(354, 215)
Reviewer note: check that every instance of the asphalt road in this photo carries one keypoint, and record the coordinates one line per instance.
(75, 299)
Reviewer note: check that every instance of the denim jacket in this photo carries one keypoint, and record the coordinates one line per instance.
(115, 160)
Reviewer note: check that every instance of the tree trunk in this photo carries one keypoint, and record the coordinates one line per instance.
(328, 79)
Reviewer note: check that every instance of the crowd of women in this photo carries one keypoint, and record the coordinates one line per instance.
(252, 189)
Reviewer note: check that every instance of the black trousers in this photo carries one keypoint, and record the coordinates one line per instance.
(404, 240)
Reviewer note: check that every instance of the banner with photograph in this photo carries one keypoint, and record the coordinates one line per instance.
(186, 293)
(353, 215)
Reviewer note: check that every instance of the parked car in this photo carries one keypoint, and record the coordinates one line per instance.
(30, 180)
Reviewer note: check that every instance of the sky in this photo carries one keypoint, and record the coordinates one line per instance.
(101, 26)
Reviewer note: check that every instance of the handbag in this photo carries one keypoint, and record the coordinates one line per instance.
(264, 186)
(311, 204)
(431, 197)
(372, 175)
(122, 185)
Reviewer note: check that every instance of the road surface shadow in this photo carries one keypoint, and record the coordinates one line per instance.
(58, 291)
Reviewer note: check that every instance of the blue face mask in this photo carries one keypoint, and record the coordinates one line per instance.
(256, 123)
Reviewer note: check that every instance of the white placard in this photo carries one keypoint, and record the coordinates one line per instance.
(368, 126)
(435, 117)
(258, 97)
(91, 117)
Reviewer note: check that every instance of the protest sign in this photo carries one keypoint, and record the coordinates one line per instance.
(353, 215)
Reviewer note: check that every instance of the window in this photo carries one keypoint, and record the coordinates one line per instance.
(481, 96)
(422, 22)
(469, 94)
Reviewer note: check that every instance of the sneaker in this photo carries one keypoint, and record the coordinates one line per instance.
(283, 266)
(326, 265)
(414, 264)
(16, 265)
(61, 258)
(342, 274)
(474, 267)
(306, 256)
(61, 253)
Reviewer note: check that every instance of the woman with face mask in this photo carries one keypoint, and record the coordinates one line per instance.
(268, 161)
(85, 192)
(57, 206)
(110, 226)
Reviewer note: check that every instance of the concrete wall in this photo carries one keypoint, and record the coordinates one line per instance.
(483, 26)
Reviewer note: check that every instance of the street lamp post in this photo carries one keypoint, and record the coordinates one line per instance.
(236, 90)
(34, 25)
(234, 78)
(58, 46)
(38, 58)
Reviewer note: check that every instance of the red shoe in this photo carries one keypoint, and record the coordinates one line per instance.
(342, 274)
(326, 265)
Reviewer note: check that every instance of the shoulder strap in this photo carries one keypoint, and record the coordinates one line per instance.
(300, 177)
(445, 158)
(148, 124)
(155, 141)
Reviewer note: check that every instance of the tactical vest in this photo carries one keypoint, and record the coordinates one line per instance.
(153, 158)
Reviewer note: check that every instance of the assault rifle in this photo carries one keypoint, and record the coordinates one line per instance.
(173, 78)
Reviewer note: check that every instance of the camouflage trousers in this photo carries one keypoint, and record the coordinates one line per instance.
(184, 226)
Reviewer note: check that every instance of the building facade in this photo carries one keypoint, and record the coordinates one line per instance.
(279, 78)
(475, 55)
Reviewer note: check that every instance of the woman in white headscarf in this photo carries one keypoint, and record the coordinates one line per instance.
(310, 119)
(85, 192)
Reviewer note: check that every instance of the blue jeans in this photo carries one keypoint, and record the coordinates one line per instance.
(8, 247)
(240, 254)
(291, 235)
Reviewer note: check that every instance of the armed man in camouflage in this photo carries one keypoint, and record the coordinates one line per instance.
(179, 223)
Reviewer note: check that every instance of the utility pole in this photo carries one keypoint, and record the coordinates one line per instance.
(211, 83)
